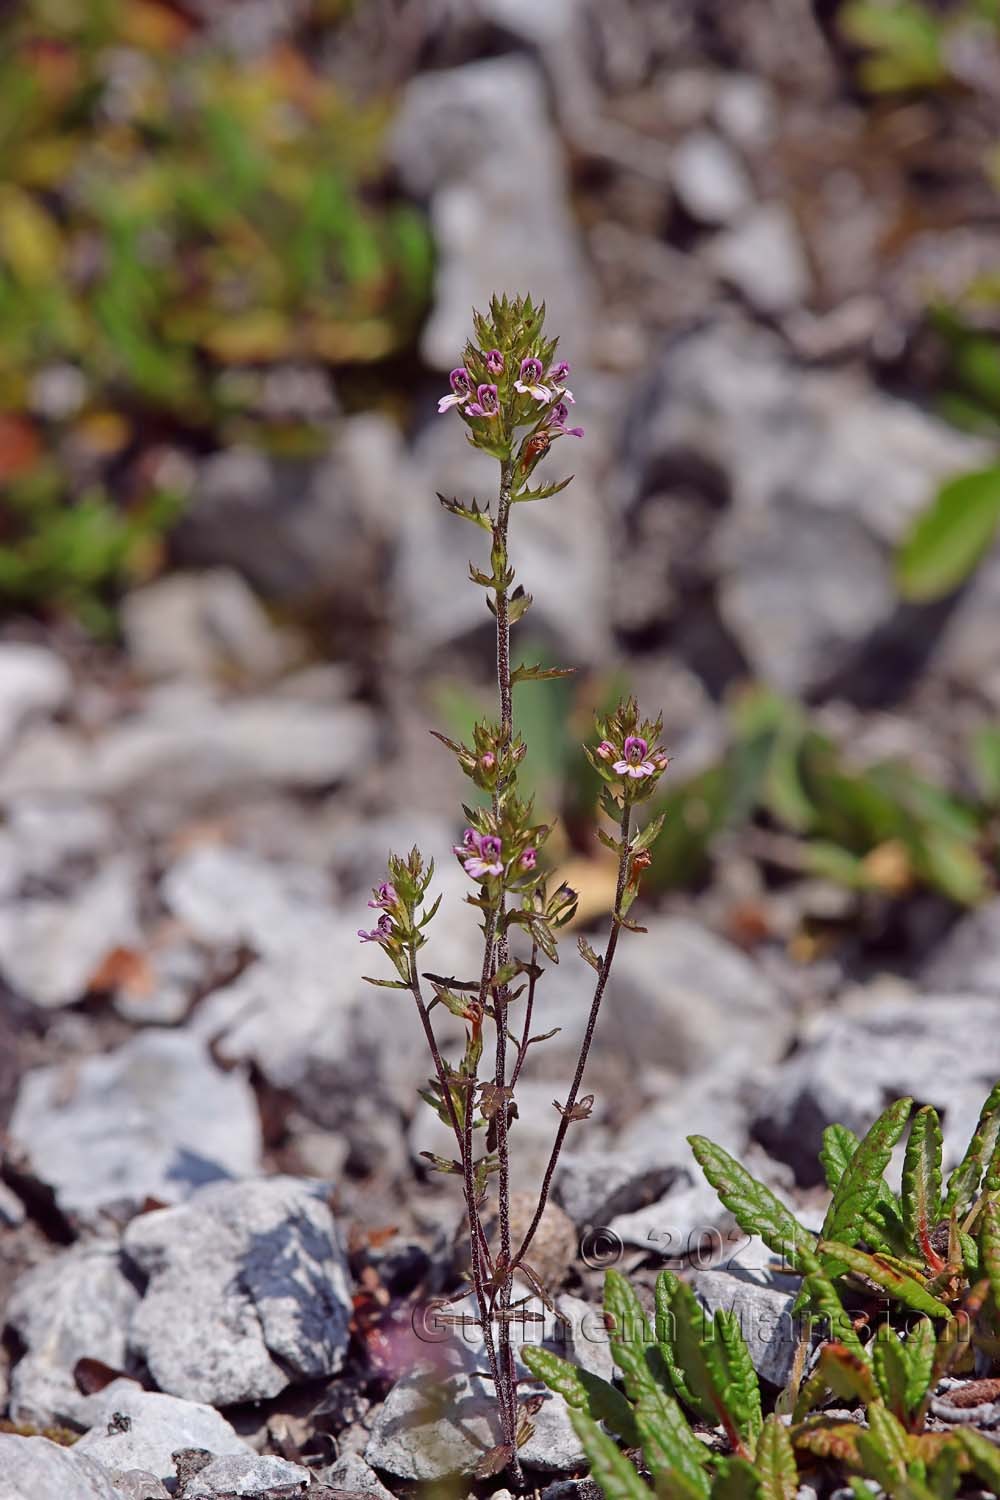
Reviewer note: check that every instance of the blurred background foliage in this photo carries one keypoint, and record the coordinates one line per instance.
(175, 223)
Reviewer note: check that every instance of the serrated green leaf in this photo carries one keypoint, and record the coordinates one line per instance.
(892, 1370)
(920, 1348)
(883, 1225)
(860, 1186)
(965, 1179)
(883, 1448)
(583, 1391)
(819, 1293)
(921, 1195)
(609, 1467)
(754, 1207)
(775, 1462)
(742, 1393)
(631, 1338)
(669, 1447)
(985, 1458)
(667, 1285)
(899, 1284)
(989, 1241)
(539, 673)
(737, 1480)
(702, 1356)
(950, 538)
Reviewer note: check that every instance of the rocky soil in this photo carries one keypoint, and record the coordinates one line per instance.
(216, 1230)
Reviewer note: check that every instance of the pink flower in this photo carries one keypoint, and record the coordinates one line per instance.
(528, 859)
(557, 379)
(494, 362)
(634, 762)
(488, 761)
(480, 854)
(605, 750)
(378, 934)
(461, 389)
(386, 897)
(530, 382)
(557, 420)
(485, 404)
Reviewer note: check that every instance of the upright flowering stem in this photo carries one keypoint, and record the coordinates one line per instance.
(500, 994)
(588, 1037)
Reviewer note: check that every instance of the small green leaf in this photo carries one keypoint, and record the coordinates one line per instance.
(989, 1240)
(920, 1349)
(668, 1444)
(631, 1337)
(901, 1286)
(819, 1293)
(609, 1467)
(892, 1370)
(667, 1288)
(583, 1391)
(742, 1393)
(860, 1187)
(883, 1448)
(754, 1207)
(921, 1196)
(963, 1184)
(985, 1458)
(883, 1227)
(539, 674)
(951, 537)
(775, 1462)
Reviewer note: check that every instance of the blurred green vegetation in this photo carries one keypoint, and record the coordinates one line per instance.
(175, 224)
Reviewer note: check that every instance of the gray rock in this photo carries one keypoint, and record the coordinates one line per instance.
(842, 463)
(683, 997)
(762, 1301)
(161, 991)
(155, 1119)
(478, 142)
(50, 949)
(943, 1051)
(248, 1291)
(968, 960)
(150, 1428)
(33, 1468)
(50, 833)
(967, 652)
(595, 1186)
(676, 1224)
(77, 1305)
(139, 1484)
(33, 681)
(709, 178)
(187, 746)
(745, 110)
(543, 26)
(227, 897)
(350, 1472)
(763, 258)
(247, 1474)
(207, 625)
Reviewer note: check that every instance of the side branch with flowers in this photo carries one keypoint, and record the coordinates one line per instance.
(511, 394)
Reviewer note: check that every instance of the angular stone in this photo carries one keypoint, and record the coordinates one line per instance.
(77, 1305)
(247, 1475)
(762, 1302)
(155, 1118)
(33, 1468)
(248, 1291)
(505, 152)
(350, 1472)
(139, 1484)
(137, 1429)
(941, 1050)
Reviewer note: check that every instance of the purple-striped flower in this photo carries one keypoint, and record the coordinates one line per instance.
(379, 934)
(605, 750)
(557, 421)
(486, 403)
(528, 860)
(461, 389)
(634, 762)
(385, 897)
(557, 377)
(480, 854)
(530, 382)
(494, 362)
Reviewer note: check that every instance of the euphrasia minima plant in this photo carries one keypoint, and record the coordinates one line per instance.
(511, 393)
